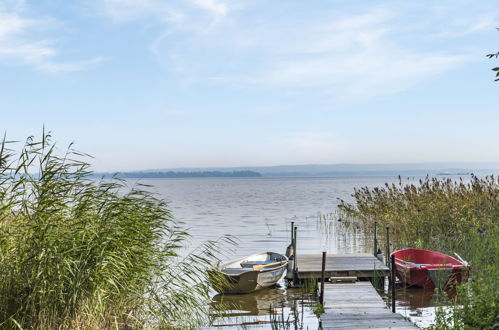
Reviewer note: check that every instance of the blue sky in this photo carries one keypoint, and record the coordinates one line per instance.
(196, 83)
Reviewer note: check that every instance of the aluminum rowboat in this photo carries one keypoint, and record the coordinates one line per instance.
(253, 272)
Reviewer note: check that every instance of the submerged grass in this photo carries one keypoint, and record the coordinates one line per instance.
(448, 216)
(76, 253)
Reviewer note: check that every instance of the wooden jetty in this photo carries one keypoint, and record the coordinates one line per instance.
(358, 306)
(361, 265)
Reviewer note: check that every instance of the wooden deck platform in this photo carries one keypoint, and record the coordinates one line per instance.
(357, 264)
(358, 306)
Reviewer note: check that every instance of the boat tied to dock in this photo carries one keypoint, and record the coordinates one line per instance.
(253, 272)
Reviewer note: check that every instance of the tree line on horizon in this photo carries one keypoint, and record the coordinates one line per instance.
(173, 174)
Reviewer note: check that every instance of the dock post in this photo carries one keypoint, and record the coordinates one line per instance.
(375, 239)
(323, 275)
(392, 273)
(387, 246)
(295, 267)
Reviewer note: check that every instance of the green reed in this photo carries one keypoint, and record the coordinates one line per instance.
(86, 254)
(448, 216)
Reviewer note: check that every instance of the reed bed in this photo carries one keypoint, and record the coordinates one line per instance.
(448, 216)
(81, 254)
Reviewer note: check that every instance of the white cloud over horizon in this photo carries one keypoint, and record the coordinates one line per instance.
(348, 54)
(179, 13)
(19, 46)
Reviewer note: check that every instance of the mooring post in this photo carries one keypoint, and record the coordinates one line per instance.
(294, 248)
(289, 249)
(375, 239)
(295, 264)
(387, 246)
(392, 273)
(323, 275)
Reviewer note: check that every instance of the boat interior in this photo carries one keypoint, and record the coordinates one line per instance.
(426, 258)
(251, 263)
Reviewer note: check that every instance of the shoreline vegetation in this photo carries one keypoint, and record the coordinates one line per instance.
(81, 254)
(447, 216)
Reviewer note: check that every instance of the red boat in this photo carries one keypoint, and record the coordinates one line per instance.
(429, 269)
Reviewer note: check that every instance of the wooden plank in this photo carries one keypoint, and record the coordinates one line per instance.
(343, 279)
(358, 306)
(340, 265)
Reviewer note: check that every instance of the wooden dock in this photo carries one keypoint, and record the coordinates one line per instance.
(337, 265)
(358, 306)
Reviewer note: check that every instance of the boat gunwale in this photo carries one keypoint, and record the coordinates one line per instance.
(410, 264)
(284, 263)
(248, 270)
(459, 263)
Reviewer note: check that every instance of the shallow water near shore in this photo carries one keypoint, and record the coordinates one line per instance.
(258, 212)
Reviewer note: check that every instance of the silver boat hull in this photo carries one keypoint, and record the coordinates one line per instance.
(243, 278)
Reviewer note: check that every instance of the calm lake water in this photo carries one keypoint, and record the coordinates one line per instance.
(258, 212)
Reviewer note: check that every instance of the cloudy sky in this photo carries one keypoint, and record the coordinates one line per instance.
(193, 83)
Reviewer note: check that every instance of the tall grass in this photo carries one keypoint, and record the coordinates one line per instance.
(448, 216)
(76, 253)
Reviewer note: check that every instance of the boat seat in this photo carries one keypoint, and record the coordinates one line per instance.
(246, 264)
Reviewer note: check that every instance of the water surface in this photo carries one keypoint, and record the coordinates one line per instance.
(258, 212)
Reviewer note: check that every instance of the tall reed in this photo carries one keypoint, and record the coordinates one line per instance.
(76, 253)
(449, 216)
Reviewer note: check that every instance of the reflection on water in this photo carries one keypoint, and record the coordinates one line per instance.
(414, 298)
(417, 304)
(255, 303)
(280, 306)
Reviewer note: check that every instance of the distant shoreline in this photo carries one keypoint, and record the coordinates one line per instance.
(174, 174)
(258, 175)
(309, 171)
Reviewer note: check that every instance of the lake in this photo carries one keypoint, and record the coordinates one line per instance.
(258, 212)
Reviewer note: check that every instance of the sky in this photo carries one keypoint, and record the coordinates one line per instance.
(142, 84)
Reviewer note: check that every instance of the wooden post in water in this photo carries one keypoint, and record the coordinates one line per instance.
(295, 264)
(289, 249)
(294, 248)
(323, 275)
(387, 246)
(392, 277)
(375, 239)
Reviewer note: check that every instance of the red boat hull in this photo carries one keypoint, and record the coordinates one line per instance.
(428, 269)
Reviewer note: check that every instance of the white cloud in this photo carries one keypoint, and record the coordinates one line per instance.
(364, 65)
(352, 57)
(216, 7)
(128, 10)
(54, 67)
(19, 46)
(346, 54)
(180, 13)
(468, 25)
